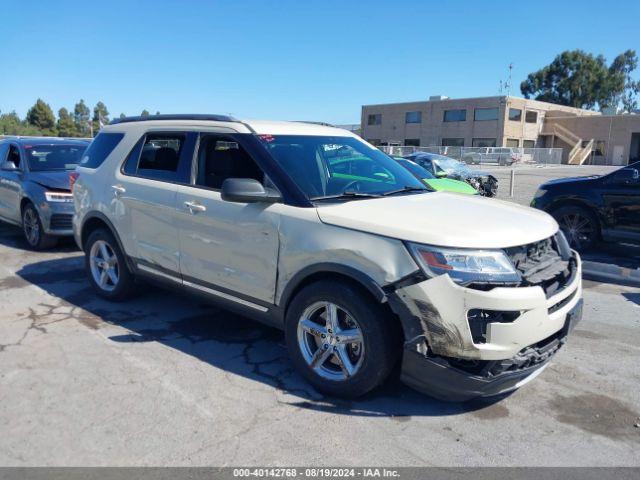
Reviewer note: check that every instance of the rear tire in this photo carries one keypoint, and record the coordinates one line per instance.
(579, 225)
(349, 355)
(107, 268)
(33, 230)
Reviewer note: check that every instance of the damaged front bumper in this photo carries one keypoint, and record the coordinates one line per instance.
(463, 343)
(455, 380)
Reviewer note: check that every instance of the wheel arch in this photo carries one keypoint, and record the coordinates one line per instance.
(330, 271)
(576, 202)
(23, 202)
(94, 221)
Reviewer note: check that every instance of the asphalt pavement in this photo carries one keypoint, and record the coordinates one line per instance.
(167, 380)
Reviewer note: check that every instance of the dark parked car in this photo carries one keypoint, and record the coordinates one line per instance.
(35, 191)
(588, 209)
(447, 167)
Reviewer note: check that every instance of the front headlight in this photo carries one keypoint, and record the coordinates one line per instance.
(465, 266)
(58, 197)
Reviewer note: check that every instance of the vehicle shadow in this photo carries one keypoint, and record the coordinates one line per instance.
(632, 297)
(222, 339)
(12, 236)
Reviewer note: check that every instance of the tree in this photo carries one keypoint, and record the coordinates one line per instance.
(580, 79)
(122, 115)
(620, 76)
(66, 125)
(81, 118)
(10, 124)
(145, 113)
(41, 117)
(100, 116)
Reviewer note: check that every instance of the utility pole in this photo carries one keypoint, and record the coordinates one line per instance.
(508, 86)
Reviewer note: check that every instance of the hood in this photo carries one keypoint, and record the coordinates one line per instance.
(463, 174)
(560, 181)
(58, 180)
(450, 185)
(443, 219)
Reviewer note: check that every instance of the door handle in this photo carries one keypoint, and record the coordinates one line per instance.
(195, 207)
(118, 189)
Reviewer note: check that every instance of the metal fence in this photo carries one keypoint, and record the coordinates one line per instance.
(504, 156)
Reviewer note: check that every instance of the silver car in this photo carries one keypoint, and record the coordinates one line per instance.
(35, 186)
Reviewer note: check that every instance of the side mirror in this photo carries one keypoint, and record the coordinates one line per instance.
(247, 190)
(441, 174)
(9, 166)
(626, 176)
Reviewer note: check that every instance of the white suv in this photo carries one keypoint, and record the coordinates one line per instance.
(312, 230)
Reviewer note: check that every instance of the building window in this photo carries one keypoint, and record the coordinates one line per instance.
(513, 142)
(482, 114)
(412, 142)
(453, 142)
(483, 142)
(531, 117)
(455, 116)
(528, 143)
(374, 119)
(413, 117)
(515, 114)
(374, 141)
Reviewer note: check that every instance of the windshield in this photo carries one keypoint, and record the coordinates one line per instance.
(448, 164)
(53, 157)
(329, 167)
(416, 169)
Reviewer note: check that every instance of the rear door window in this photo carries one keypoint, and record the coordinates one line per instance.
(99, 149)
(162, 156)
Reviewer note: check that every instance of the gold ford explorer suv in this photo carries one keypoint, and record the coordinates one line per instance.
(312, 230)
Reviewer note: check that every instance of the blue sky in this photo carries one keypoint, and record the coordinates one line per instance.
(312, 60)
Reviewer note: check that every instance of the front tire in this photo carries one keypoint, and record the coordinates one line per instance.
(340, 339)
(579, 225)
(34, 231)
(107, 268)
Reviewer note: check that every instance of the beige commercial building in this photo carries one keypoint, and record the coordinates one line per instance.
(501, 121)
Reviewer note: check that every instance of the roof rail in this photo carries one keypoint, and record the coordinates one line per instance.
(181, 116)
(323, 124)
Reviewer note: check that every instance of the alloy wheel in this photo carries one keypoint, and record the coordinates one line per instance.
(331, 341)
(104, 266)
(578, 229)
(31, 226)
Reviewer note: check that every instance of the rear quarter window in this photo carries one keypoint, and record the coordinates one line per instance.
(100, 149)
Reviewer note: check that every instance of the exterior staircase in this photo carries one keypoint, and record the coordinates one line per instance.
(578, 153)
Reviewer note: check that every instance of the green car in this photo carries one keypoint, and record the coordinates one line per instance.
(438, 184)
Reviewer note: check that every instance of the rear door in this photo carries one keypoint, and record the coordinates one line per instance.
(227, 249)
(144, 199)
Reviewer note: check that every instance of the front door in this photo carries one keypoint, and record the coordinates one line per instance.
(227, 249)
(144, 200)
(622, 200)
(10, 182)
